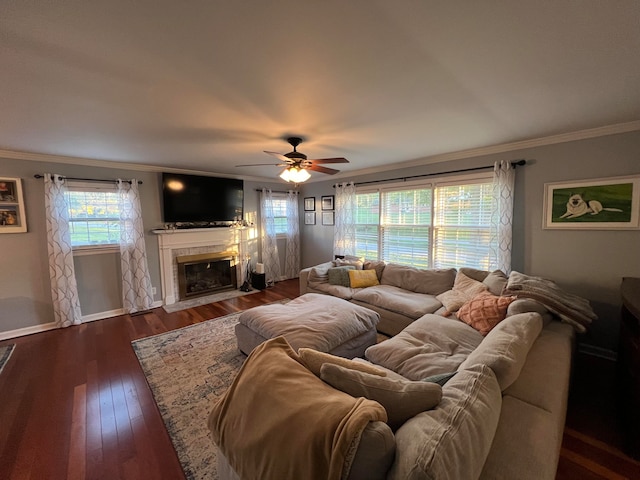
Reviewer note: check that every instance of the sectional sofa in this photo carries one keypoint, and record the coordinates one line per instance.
(503, 390)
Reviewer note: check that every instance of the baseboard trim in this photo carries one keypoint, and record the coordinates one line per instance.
(598, 352)
(21, 332)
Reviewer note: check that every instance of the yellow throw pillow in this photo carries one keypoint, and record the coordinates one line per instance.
(363, 278)
(314, 360)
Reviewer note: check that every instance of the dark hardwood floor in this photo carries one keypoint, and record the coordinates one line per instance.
(74, 404)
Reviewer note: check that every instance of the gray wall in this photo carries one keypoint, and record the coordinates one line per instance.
(25, 290)
(587, 263)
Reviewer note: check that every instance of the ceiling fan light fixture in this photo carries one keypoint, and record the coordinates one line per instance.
(295, 175)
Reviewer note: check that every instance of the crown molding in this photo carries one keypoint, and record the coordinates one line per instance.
(444, 157)
(505, 147)
(92, 162)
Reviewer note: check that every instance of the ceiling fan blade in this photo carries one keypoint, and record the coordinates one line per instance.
(279, 156)
(259, 165)
(330, 160)
(318, 168)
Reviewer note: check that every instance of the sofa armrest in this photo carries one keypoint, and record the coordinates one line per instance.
(304, 279)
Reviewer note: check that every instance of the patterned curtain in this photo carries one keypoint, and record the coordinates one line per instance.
(344, 233)
(502, 216)
(270, 256)
(64, 289)
(292, 260)
(136, 282)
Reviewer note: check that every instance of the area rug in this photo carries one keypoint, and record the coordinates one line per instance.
(187, 370)
(214, 297)
(5, 353)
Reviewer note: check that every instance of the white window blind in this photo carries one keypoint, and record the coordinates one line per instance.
(406, 226)
(94, 216)
(280, 214)
(441, 226)
(462, 226)
(367, 220)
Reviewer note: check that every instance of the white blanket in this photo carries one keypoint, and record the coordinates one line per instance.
(570, 308)
(313, 320)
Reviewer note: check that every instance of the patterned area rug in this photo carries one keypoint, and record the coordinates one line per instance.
(187, 370)
(5, 353)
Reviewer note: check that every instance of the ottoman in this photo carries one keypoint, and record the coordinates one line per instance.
(322, 322)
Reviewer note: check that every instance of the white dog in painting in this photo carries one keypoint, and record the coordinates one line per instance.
(577, 206)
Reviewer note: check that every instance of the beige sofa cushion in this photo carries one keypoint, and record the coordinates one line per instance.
(495, 281)
(377, 265)
(397, 300)
(505, 348)
(402, 399)
(313, 360)
(464, 289)
(429, 346)
(451, 441)
(543, 433)
(419, 280)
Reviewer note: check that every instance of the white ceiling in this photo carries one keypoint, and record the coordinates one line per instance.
(208, 84)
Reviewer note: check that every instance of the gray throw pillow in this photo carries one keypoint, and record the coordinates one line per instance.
(340, 275)
(401, 399)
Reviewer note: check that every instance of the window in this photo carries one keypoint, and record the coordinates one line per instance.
(279, 206)
(94, 215)
(443, 225)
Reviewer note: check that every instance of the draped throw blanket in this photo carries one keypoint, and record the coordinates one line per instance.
(278, 420)
(570, 308)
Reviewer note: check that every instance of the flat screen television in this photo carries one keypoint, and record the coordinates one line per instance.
(200, 199)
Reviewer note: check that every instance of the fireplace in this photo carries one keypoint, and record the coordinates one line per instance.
(206, 273)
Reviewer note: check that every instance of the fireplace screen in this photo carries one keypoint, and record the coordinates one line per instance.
(205, 274)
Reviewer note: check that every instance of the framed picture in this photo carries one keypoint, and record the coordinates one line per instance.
(12, 216)
(327, 202)
(328, 218)
(309, 204)
(309, 218)
(599, 204)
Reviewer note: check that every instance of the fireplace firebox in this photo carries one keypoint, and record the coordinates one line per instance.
(206, 273)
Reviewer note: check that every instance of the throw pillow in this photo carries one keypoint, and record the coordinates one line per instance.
(496, 281)
(464, 289)
(363, 278)
(313, 360)
(440, 379)
(402, 399)
(485, 311)
(339, 262)
(377, 265)
(340, 275)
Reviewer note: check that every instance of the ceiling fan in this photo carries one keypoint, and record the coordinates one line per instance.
(296, 163)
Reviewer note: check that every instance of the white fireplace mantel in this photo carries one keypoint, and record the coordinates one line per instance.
(221, 239)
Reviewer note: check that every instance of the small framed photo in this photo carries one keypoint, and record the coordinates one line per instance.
(327, 203)
(328, 218)
(309, 204)
(309, 218)
(12, 215)
(598, 204)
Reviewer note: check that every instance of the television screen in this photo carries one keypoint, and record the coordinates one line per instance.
(193, 198)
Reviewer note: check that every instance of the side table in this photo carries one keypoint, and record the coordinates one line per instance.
(629, 363)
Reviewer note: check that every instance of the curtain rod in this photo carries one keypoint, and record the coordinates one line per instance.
(37, 175)
(514, 164)
(279, 191)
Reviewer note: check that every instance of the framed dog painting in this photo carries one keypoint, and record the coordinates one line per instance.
(599, 204)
